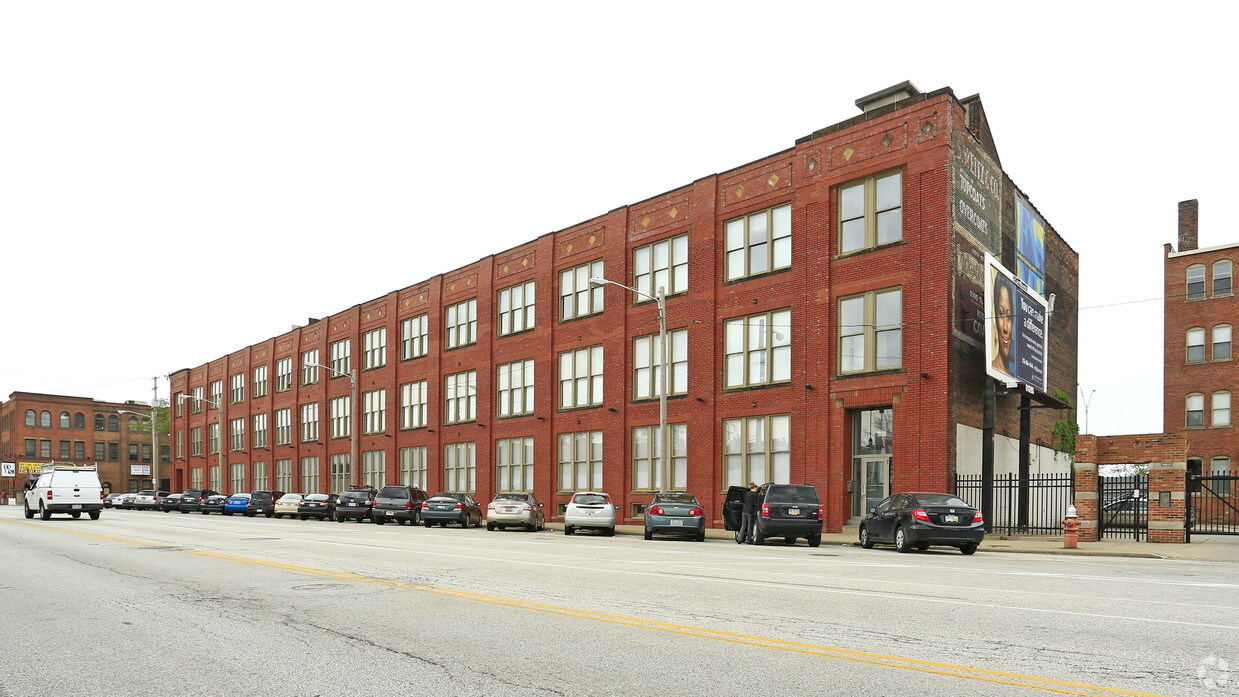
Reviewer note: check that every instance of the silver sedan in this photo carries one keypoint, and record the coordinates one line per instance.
(516, 510)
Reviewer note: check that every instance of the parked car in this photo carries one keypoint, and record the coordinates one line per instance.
(676, 513)
(321, 506)
(262, 502)
(126, 500)
(356, 503)
(590, 510)
(1125, 513)
(170, 502)
(148, 499)
(451, 507)
(402, 504)
(287, 505)
(789, 511)
(237, 503)
(69, 489)
(515, 509)
(113, 499)
(192, 499)
(212, 504)
(922, 519)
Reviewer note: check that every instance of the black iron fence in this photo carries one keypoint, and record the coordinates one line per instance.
(1049, 495)
(1212, 505)
(1124, 504)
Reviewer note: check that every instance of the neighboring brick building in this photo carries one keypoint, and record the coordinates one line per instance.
(36, 429)
(825, 315)
(1201, 376)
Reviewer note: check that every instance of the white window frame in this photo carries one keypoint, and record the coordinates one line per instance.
(260, 474)
(1195, 282)
(284, 426)
(1196, 344)
(1223, 270)
(213, 438)
(284, 374)
(236, 478)
(236, 434)
(217, 393)
(195, 441)
(647, 366)
(259, 437)
(309, 474)
(374, 468)
(260, 381)
(284, 474)
(1220, 413)
(341, 356)
(1195, 407)
(236, 388)
(1221, 338)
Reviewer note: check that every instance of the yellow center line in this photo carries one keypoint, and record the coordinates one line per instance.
(877, 659)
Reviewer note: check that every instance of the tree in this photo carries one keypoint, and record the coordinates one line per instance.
(1064, 433)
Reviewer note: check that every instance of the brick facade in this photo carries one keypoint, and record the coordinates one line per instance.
(937, 383)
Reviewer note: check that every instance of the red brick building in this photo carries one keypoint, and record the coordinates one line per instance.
(1201, 376)
(825, 314)
(36, 429)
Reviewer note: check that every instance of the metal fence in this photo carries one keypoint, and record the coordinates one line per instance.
(1124, 501)
(1049, 495)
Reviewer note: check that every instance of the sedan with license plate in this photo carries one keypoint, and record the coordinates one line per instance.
(237, 503)
(918, 520)
(356, 503)
(149, 499)
(675, 513)
(287, 505)
(113, 499)
(321, 506)
(212, 504)
(590, 510)
(515, 510)
(451, 507)
(170, 502)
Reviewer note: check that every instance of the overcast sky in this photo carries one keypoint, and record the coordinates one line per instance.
(179, 180)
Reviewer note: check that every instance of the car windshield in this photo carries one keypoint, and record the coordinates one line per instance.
(509, 497)
(317, 497)
(589, 499)
(672, 497)
(446, 495)
(941, 500)
(792, 494)
(355, 496)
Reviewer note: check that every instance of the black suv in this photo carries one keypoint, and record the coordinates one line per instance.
(402, 504)
(355, 503)
(262, 501)
(788, 511)
(191, 500)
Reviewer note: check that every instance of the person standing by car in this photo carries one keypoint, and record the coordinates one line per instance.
(751, 501)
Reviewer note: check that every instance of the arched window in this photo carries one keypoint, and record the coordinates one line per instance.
(1221, 277)
(45, 419)
(1195, 410)
(1196, 282)
(65, 421)
(79, 420)
(1195, 345)
(132, 425)
(1221, 342)
(98, 422)
(1221, 409)
(113, 422)
(32, 419)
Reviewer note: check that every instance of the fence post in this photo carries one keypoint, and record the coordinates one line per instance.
(1166, 522)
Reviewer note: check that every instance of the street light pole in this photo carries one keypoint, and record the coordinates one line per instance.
(660, 296)
(352, 418)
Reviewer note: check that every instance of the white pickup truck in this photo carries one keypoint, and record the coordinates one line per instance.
(69, 489)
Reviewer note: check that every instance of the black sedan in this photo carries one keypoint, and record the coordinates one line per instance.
(321, 506)
(212, 504)
(449, 507)
(170, 502)
(918, 520)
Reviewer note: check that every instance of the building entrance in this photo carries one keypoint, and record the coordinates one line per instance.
(872, 440)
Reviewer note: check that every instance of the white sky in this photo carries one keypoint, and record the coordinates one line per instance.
(178, 179)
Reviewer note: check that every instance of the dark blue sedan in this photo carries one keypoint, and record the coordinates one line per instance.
(237, 503)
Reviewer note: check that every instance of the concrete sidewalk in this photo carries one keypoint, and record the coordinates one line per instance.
(1202, 548)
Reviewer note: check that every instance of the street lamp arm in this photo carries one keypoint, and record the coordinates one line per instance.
(213, 403)
(337, 373)
(604, 281)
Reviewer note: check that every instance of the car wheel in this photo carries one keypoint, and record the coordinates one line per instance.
(758, 538)
(567, 529)
(358, 519)
(29, 513)
(901, 541)
(701, 536)
(184, 511)
(205, 513)
(226, 513)
(377, 521)
(648, 535)
(610, 532)
(490, 527)
(866, 542)
(77, 514)
(44, 514)
(339, 519)
(426, 523)
(969, 548)
(815, 540)
(302, 517)
(94, 515)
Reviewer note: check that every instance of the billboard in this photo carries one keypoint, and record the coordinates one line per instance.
(1030, 245)
(1016, 328)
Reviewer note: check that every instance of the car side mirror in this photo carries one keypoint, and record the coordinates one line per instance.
(873, 509)
(541, 505)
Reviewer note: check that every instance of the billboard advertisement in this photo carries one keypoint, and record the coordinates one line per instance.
(1016, 328)
(1030, 246)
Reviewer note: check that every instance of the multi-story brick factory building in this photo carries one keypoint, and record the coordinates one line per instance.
(825, 317)
(37, 429)
(1200, 373)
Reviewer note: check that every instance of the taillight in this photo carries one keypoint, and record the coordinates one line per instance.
(528, 507)
(490, 506)
(608, 497)
(425, 505)
(765, 510)
(656, 510)
(457, 507)
(978, 518)
(696, 511)
(49, 494)
(101, 494)
(920, 514)
(821, 511)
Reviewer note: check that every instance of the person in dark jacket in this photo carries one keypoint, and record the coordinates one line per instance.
(751, 502)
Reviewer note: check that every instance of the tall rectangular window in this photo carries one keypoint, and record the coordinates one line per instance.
(309, 475)
(662, 264)
(195, 479)
(647, 364)
(260, 381)
(460, 392)
(647, 456)
(101, 449)
(460, 467)
(374, 348)
(213, 438)
(1221, 277)
(514, 464)
(236, 388)
(461, 324)
(32, 447)
(113, 450)
(1195, 410)
(284, 474)
(284, 374)
(197, 399)
(1221, 408)
(309, 367)
(283, 426)
(1196, 282)
(1221, 342)
(580, 461)
(757, 449)
(309, 422)
(576, 297)
(79, 450)
(259, 437)
(516, 305)
(341, 356)
(580, 377)
(236, 434)
(66, 447)
(413, 337)
(217, 393)
(413, 404)
(217, 478)
(871, 331)
(146, 452)
(374, 411)
(413, 466)
(341, 417)
(236, 477)
(260, 475)
(757, 349)
(341, 473)
(1195, 345)
(374, 468)
(515, 388)
(133, 451)
(871, 212)
(759, 242)
(195, 441)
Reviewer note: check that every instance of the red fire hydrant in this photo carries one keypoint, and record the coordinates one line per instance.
(1071, 528)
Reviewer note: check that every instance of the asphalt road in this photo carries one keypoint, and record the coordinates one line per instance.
(144, 603)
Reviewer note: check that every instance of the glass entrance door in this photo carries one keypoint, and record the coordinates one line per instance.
(871, 476)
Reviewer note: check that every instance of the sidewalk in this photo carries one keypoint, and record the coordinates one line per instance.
(1202, 548)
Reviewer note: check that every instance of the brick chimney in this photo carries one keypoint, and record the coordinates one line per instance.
(1188, 227)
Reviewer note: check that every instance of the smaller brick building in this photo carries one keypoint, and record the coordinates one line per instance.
(36, 429)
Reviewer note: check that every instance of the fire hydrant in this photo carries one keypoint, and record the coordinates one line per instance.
(1071, 528)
